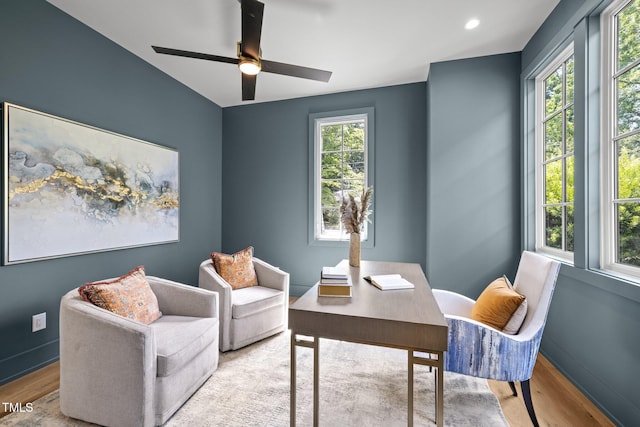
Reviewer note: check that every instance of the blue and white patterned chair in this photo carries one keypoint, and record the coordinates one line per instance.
(481, 351)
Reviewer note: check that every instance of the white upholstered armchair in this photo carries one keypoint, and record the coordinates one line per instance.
(253, 313)
(481, 351)
(118, 372)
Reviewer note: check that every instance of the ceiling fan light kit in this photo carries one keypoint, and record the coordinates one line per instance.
(247, 64)
(249, 58)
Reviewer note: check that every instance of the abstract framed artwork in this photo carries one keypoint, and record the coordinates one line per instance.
(73, 189)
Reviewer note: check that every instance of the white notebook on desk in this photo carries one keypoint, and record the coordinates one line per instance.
(389, 281)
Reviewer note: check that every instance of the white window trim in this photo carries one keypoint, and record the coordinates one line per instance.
(328, 121)
(315, 122)
(540, 227)
(608, 118)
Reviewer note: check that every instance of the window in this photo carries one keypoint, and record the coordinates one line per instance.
(554, 157)
(341, 147)
(621, 137)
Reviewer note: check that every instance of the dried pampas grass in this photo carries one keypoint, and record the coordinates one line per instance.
(354, 215)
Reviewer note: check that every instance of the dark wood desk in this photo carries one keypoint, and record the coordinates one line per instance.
(408, 319)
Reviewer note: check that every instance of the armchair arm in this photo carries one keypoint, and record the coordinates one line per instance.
(482, 351)
(270, 276)
(183, 300)
(210, 280)
(107, 363)
(452, 303)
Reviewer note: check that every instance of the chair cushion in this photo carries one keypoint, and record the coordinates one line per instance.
(180, 338)
(497, 304)
(129, 296)
(236, 269)
(248, 301)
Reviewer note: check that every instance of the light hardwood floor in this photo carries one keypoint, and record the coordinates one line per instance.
(30, 387)
(557, 402)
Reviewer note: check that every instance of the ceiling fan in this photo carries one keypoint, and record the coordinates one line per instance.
(249, 58)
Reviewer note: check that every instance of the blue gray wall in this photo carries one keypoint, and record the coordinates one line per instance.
(52, 63)
(266, 179)
(473, 172)
(592, 333)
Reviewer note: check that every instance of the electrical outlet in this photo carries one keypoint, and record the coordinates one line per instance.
(38, 322)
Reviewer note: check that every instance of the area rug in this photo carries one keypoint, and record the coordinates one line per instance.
(360, 385)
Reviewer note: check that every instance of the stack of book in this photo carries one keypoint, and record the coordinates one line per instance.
(334, 282)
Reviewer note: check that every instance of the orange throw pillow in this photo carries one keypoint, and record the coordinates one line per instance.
(129, 296)
(236, 269)
(496, 304)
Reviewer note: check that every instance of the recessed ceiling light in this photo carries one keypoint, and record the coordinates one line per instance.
(472, 23)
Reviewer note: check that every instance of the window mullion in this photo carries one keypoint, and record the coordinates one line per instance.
(629, 200)
(625, 135)
(626, 68)
(553, 115)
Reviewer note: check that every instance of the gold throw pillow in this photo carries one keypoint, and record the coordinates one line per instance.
(496, 304)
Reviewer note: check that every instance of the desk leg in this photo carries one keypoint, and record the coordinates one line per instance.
(429, 360)
(313, 344)
(316, 380)
(292, 388)
(440, 390)
(410, 390)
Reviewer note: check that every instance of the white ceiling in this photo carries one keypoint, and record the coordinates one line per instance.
(365, 43)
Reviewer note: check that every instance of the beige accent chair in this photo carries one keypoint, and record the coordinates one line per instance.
(118, 372)
(249, 314)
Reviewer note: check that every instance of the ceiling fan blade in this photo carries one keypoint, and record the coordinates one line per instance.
(295, 71)
(248, 87)
(252, 11)
(197, 55)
